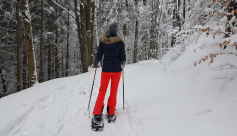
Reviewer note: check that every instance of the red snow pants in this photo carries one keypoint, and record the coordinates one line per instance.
(105, 78)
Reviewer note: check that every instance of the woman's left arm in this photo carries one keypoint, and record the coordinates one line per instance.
(122, 53)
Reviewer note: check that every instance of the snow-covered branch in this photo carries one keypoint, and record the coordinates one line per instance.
(64, 9)
(7, 29)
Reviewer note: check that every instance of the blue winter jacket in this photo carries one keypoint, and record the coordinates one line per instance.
(114, 53)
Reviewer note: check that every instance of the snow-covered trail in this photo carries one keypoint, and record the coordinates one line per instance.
(180, 101)
(59, 107)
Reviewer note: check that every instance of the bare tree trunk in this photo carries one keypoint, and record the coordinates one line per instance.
(56, 47)
(67, 57)
(174, 13)
(4, 86)
(174, 22)
(18, 47)
(84, 44)
(172, 41)
(25, 70)
(62, 62)
(177, 15)
(95, 48)
(160, 14)
(78, 25)
(152, 29)
(56, 55)
(91, 50)
(77, 20)
(49, 62)
(52, 58)
(184, 6)
(88, 29)
(29, 42)
(125, 30)
(135, 44)
(41, 72)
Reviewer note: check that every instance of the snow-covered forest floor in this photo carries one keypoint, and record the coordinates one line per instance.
(162, 98)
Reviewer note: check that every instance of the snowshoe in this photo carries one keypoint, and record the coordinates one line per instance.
(97, 123)
(111, 118)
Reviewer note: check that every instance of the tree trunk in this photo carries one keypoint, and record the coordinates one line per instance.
(18, 47)
(41, 72)
(79, 32)
(158, 23)
(25, 70)
(177, 15)
(62, 62)
(29, 42)
(184, 6)
(125, 30)
(52, 57)
(77, 21)
(91, 51)
(152, 30)
(84, 44)
(135, 44)
(56, 55)
(95, 48)
(174, 23)
(67, 57)
(88, 29)
(56, 47)
(49, 62)
(174, 13)
(4, 86)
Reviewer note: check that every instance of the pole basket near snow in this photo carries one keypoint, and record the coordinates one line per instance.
(91, 92)
(123, 87)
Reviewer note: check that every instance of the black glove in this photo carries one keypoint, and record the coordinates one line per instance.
(95, 65)
(123, 64)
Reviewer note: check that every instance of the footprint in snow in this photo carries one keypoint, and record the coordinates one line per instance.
(204, 112)
(63, 87)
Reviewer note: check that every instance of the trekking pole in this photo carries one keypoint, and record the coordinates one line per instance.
(123, 88)
(91, 92)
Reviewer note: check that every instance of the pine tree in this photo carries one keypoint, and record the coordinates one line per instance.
(41, 70)
(29, 42)
(18, 47)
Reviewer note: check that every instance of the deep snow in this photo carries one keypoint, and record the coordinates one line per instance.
(181, 101)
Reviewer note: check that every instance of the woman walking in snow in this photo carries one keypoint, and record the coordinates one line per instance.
(112, 47)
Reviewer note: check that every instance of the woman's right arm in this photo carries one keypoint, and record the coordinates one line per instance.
(99, 54)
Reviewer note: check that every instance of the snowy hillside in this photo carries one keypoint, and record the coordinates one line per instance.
(184, 100)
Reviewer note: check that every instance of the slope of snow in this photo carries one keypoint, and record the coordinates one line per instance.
(183, 100)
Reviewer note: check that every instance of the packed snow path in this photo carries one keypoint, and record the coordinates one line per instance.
(157, 103)
(59, 107)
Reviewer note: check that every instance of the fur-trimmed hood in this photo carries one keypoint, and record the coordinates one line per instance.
(110, 40)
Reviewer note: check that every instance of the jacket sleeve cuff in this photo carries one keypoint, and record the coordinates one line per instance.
(96, 61)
